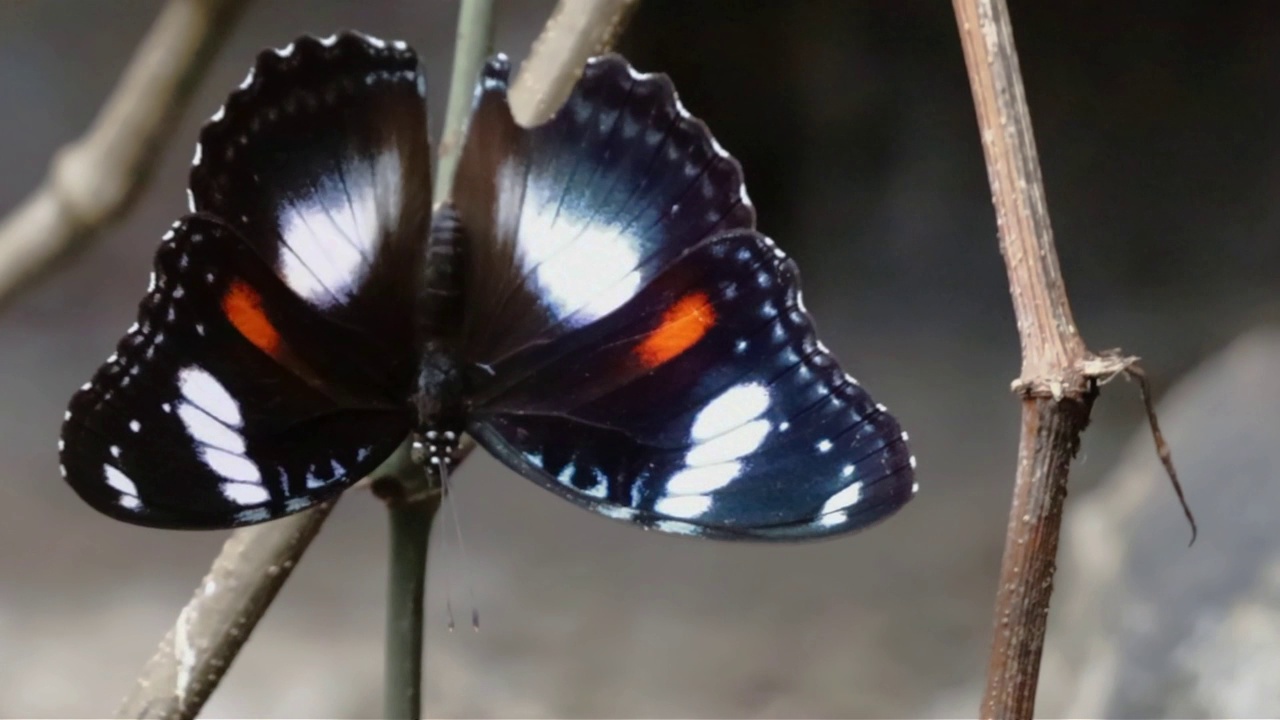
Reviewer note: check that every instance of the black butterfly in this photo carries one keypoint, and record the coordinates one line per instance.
(594, 306)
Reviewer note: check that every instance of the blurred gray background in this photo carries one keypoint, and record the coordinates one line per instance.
(1156, 124)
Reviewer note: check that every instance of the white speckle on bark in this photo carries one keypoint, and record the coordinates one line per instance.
(184, 652)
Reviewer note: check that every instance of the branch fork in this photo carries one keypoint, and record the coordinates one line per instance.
(1060, 376)
(1081, 378)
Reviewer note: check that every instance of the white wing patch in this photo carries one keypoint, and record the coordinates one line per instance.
(213, 419)
(702, 480)
(724, 431)
(584, 267)
(331, 234)
(738, 442)
(737, 405)
(844, 499)
(683, 506)
(120, 482)
(203, 390)
(207, 429)
(231, 466)
(245, 493)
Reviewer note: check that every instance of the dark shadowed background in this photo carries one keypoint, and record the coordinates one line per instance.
(1156, 124)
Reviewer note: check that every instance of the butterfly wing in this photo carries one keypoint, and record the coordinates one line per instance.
(321, 162)
(662, 371)
(228, 402)
(705, 405)
(273, 353)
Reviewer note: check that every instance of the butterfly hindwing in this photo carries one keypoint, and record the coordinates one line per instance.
(208, 415)
(706, 405)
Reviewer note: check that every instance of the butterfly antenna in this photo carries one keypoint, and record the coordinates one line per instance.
(462, 549)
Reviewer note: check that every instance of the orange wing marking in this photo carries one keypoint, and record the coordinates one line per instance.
(683, 324)
(243, 306)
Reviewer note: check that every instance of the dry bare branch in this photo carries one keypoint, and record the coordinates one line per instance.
(93, 180)
(1059, 377)
(576, 30)
(208, 634)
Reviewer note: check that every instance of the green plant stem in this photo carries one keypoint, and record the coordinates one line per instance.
(410, 530)
(412, 507)
(474, 41)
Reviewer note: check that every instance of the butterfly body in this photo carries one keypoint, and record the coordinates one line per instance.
(592, 304)
(440, 394)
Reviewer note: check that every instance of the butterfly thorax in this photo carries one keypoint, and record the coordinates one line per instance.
(438, 402)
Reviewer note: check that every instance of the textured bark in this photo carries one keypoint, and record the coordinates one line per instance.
(1059, 376)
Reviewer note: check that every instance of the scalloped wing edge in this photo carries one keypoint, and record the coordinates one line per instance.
(495, 82)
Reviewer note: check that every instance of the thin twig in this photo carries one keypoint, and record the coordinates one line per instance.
(576, 30)
(474, 42)
(94, 179)
(1163, 451)
(556, 59)
(238, 589)
(1059, 378)
(410, 523)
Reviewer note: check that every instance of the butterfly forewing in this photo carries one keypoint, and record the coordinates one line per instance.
(572, 217)
(321, 161)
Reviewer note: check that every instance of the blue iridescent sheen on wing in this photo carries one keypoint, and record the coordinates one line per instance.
(643, 351)
(573, 216)
(594, 305)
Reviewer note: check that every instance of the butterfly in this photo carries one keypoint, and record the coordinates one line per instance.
(593, 305)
